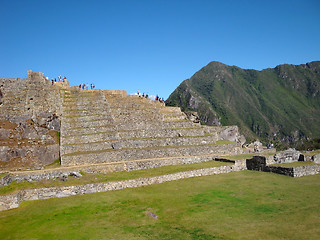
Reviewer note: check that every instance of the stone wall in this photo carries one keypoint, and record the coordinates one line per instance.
(306, 170)
(261, 163)
(33, 176)
(287, 156)
(316, 158)
(147, 153)
(29, 122)
(13, 200)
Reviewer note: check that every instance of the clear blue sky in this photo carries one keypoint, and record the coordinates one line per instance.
(152, 45)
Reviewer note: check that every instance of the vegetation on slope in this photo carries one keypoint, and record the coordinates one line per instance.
(281, 105)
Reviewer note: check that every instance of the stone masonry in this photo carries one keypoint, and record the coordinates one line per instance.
(13, 200)
(29, 122)
(41, 122)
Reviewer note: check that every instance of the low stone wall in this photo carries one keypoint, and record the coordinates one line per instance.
(280, 170)
(33, 176)
(306, 170)
(316, 158)
(260, 163)
(287, 156)
(13, 200)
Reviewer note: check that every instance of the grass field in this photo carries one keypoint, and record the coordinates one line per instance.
(239, 205)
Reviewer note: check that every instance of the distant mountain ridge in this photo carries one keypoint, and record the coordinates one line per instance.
(280, 104)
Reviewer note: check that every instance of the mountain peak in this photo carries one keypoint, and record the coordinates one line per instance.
(276, 104)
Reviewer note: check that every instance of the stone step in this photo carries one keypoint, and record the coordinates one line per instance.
(85, 147)
(134, 118)
(171, 110)
(131, 106)
(84, 124)
(138, 143)
(87, 138)
(88, 130)
(158, 133)
(83, 95)
(174, 118)
(86, 118)
(110, 156)
(82, 113)
(72, 106)
(75, 107)
(83, 99)
(80, 102)
(157, 125)
(139, 112)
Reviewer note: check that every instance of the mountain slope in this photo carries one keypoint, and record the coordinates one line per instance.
(279, 104)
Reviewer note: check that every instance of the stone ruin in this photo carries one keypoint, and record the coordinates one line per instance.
(266, 163)
(41, 123)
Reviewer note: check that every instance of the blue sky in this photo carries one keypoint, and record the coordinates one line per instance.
(152, 45)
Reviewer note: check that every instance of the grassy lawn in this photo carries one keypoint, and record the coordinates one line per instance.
(246, 156)
(295, 164)
(240, 205)
(115, 176)
(312, 152)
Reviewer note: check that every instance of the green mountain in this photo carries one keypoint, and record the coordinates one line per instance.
(280, 105)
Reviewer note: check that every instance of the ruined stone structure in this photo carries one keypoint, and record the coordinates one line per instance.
(41, 122)
(265, 164)
(29, 122)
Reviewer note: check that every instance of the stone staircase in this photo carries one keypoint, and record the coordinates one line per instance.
(86, 125)
(110, 126)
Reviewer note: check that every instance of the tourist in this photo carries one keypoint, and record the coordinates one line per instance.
(87, 86)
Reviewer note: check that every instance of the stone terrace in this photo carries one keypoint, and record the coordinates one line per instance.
(110, 126)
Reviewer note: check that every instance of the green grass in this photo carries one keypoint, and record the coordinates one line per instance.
(242, 205)
(115, 176)
(55, 164)
(222, 142)
(246, 156)
(312, 153)
(295, 164)
(3, 174)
